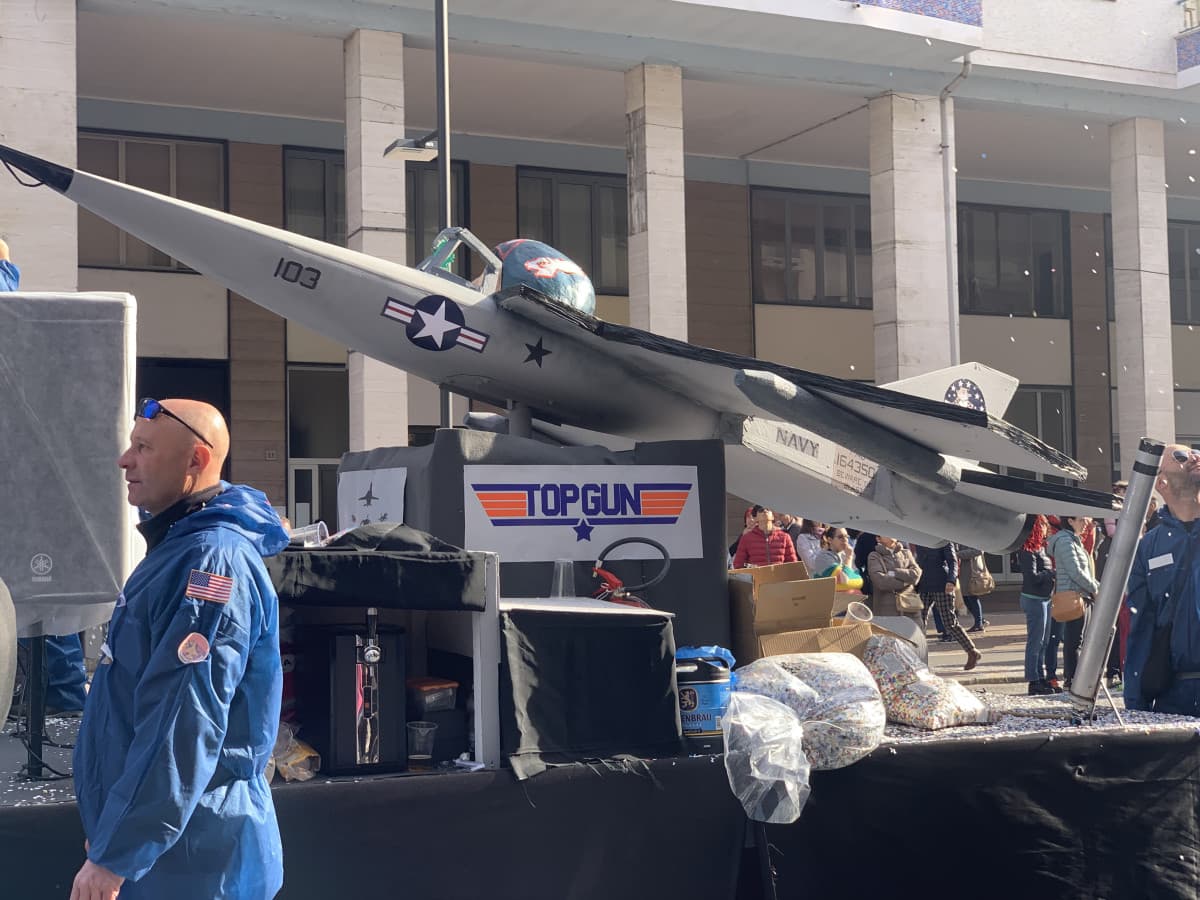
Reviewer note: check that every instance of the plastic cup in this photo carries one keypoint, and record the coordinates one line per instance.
(420, 745)
(311, 535)
(856, 612)
(563, 583)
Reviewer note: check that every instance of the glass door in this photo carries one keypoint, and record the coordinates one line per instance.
(312, 492)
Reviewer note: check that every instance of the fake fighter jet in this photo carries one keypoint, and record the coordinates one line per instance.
(877, 459)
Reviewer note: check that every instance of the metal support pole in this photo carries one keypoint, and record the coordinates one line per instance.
(35, 687)
(520, 420)
(442, 51)
(1098, 637)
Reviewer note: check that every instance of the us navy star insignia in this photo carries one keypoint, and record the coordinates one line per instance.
(537, 353)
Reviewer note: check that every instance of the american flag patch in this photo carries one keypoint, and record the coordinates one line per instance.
(207, 586)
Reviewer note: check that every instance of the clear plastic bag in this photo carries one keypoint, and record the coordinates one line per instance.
(915, 696)
(833, 694)
(764, 758)
(293, 759)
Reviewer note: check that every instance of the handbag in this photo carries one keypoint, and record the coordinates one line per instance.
(1066, 606)
(980, 582)
(909, 601)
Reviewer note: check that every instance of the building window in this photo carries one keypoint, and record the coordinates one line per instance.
(811, 249)
(584, 216)
(314, 185)
(315, 200)
(1183, 262)
(1110, 284)
(1046, 414)
(1011, 261)
(318, 412)
(422, 199)
(190, 170)
(318, 434)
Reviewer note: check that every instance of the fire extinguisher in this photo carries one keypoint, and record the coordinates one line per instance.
(613, 589)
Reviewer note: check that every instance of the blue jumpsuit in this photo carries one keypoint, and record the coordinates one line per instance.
(1156, 566)
(170, 755)
(10, 276)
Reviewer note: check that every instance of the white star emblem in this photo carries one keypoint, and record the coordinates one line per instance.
(435, 325)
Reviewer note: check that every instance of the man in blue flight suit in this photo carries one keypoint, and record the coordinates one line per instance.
(10, 275)
(184, 708)
(1164, 586)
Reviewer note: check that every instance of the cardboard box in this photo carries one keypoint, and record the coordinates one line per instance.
(771, 616)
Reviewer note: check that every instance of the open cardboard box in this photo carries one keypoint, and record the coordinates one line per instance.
(774, 612)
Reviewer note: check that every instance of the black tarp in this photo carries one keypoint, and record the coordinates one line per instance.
(1076, 816)
(1085, 815)
(382, 565)
(577, 686)
(665, 829)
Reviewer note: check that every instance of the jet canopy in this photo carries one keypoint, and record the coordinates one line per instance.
(517, 262)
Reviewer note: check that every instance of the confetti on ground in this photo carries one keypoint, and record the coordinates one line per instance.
(18, 790)
(1021, 716)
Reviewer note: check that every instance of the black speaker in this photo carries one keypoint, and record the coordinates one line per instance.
(356, 730)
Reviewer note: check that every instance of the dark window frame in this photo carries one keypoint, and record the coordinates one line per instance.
(1065, 263)
(460, 205)
(176, 266)
(853, 203)
(1191, 289)
(325, 156)
(592, 180)
(287, 400)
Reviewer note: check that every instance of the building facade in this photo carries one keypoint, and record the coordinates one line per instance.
(867, 189)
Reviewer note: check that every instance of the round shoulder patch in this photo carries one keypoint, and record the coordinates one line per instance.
(193, 648)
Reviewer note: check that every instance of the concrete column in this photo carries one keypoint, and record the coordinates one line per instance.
(1090, 367)
(654, 162)
(257, 337)
(38, 116)
(1141, 284)
(375, 218)
(909, 252)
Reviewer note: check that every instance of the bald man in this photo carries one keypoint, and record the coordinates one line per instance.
(184, 708)
(1164, 587)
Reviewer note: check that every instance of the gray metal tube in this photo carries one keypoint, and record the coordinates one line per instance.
(445, 201)
(1098, 638)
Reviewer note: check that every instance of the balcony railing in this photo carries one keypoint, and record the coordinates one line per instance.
(1191, 14)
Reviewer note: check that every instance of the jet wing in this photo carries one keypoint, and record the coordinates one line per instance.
(708, 378)
(1045, 497)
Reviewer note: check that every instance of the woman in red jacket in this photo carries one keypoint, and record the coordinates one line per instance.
(764, 544)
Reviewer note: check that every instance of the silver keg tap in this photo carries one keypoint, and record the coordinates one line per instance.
(370, 655)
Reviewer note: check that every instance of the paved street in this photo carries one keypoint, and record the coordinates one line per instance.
(1002, 668)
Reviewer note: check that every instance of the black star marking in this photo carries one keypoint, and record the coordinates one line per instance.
(537, 353)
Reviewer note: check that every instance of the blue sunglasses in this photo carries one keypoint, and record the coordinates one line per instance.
(151, 409)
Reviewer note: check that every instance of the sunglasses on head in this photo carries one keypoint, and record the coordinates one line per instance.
(1182, 456)
(149, 408)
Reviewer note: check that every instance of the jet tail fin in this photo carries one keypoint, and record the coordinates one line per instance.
(969, 384)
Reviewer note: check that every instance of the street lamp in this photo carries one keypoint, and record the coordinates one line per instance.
(421, 149)
(435, 144)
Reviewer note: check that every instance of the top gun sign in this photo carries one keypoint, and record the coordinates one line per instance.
(537, 513)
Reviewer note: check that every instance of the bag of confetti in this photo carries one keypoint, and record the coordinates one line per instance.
(915, 696)
(833, 694)
(764, 758)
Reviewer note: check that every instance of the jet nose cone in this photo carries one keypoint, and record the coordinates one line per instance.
(42, 171)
